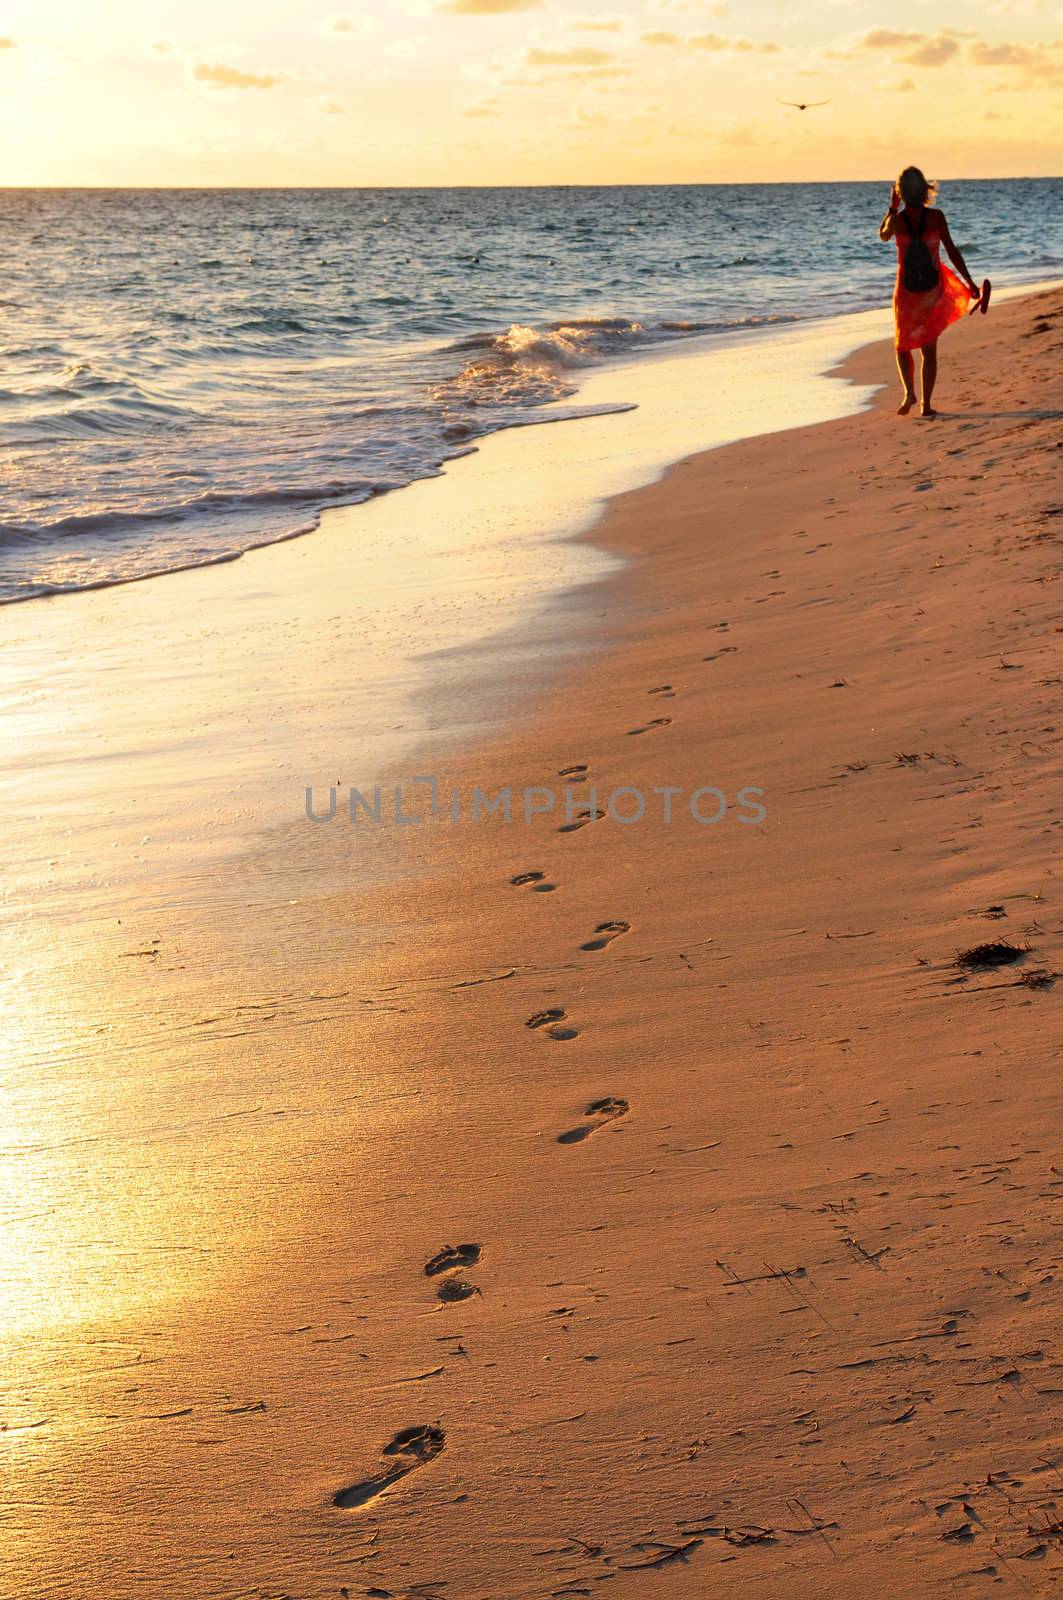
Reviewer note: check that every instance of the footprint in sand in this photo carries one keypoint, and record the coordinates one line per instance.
(605, 933)
(453, 1290)
(453, 1258)
(537, 880)
(575, 774)
(665, 689)
(658, 722)
(553, 1021)
(599, 1112)
(581, 820)
(410, 1448)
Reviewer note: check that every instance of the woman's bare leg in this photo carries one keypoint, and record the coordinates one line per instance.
(906, 368)
(929, 376)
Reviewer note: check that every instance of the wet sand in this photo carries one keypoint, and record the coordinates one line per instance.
(740, 1191)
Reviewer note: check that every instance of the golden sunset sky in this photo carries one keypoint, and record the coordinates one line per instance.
(525, 91)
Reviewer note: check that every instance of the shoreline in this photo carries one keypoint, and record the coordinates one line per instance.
(564, 409)
(632, 1375)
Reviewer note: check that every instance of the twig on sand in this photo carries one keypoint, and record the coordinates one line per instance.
(588, 1549)
(749, 1533)
(817, 1526)
(802, 1299)
(731, 1277)
(771, 1274)
(666, 1554)
(1052, 1529)
(868, 1255)
(948, 1330)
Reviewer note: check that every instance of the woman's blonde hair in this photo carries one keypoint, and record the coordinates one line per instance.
(915, 189)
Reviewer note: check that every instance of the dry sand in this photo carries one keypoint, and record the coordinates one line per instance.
(781, 1316)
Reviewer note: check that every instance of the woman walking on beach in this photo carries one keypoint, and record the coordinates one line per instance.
(928, 297)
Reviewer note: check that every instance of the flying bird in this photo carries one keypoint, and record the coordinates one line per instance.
(804, 105)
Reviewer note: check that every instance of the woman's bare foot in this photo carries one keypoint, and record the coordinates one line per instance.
(927, 411)
(906, 405)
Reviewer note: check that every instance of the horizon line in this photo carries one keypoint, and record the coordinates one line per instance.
(356, 188)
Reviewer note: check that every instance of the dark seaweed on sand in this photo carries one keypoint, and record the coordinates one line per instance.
(996, 953)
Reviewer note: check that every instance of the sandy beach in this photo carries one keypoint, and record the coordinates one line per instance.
(626, 1208)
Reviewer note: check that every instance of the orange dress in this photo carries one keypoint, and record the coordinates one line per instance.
(919, 319)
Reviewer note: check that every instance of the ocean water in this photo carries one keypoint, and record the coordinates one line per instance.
(185, 375)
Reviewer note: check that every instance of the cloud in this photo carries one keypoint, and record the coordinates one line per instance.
(578, 56)
(889, 39)
(1038, 62)
(912, 49)
(332, 107)
(488, 8)
(339, 22)
(1002, 55)
(482, 108)
(7, 44)
(934, 53)
(873, 39)
(595, 25)
(222, 77)
(700, 41)
(709, 41)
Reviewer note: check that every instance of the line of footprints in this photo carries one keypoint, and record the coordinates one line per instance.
(413, 1447)
(580, 773)
(554, 1021)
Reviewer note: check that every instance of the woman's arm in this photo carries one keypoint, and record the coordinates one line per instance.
(954, 255)
(887, 227)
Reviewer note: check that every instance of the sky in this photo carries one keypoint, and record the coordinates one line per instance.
(396, 92)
